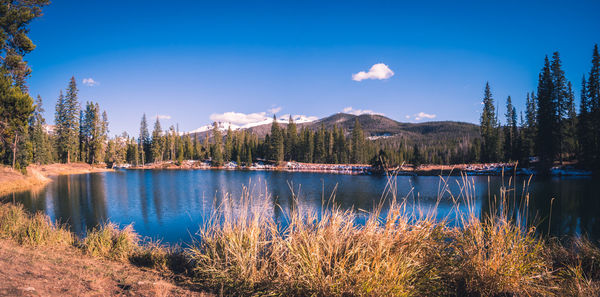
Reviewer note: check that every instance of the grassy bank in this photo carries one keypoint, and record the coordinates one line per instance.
(242, 250)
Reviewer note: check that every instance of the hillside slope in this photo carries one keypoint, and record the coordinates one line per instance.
(381, 127)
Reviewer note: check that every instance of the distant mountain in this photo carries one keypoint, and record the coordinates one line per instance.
(376, 127)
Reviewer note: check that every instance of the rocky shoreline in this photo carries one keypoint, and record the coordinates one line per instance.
(491, 169)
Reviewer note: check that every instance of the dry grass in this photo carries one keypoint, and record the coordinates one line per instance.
(397, 250)
(108, 241)
(31, 229)
(402, 252)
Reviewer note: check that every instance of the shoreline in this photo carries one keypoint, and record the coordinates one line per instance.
(12, 181)
(478, 169)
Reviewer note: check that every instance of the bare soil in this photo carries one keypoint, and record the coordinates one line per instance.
(66, 271)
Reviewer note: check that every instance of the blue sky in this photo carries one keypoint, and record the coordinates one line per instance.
(192, 61)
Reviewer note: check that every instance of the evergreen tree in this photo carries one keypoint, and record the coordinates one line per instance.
(546, 147)
(206, 148)
(358, 143)
(16, 108)
(15, 17)
(560, 101)
(489, 128)
(248, 155)
(291, 140)
(217, 151)
(144, 141)
(584, 127)
(157, 143)
(41, 145)
(570, 124)
(529, 129)
(510, 132)
(228, 151)
(93, 133)
(320, 154)
(180, 153)
(276, 145)
(593, 95)
(417, 157)
(67, 123)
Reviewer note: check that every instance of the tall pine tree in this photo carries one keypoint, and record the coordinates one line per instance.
(489, 128)
(546, 145)
(67, 118)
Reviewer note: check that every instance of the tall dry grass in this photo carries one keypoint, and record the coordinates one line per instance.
(400, 250)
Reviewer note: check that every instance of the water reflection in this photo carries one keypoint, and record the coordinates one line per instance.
(170, 204)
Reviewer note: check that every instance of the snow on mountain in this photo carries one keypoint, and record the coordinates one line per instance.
(223, 126)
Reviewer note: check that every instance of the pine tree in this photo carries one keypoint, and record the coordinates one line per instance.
(15, 17)
(217, 151)
(358, 143)
(157, 142)
(92, 134)
(228, 151)
(489, 128)
(16, 108)
(529, 129)
(593, 95)
(570, 124)
(291, 141)
(510, 131)
(248, 156)
(319, 142)
(41, 146)
(144, 141)
(560, 99)
(546, 147)
(67, 118)
(584, 127)
(206, 148)
(276, 145)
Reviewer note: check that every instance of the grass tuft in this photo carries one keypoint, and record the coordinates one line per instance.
(31, 229)
(108, 241)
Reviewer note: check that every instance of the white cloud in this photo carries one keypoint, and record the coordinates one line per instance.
(239, 118)
(353, 111)
(90, 82)
(421, 115)
(274, 110)
(377, 71)
(163, 117)
(247, 120)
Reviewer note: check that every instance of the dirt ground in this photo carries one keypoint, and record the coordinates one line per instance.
(65, 271)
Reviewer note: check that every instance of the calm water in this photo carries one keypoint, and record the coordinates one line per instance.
(170, 204)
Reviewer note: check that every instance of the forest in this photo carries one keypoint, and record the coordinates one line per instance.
(550, 130)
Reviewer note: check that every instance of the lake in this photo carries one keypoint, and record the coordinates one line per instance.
(170, 204)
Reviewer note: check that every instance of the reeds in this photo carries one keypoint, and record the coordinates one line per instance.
(397, 249)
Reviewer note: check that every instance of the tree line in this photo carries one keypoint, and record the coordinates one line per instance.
(551, 131)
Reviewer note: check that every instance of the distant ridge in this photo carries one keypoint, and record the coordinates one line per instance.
(375, 127)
